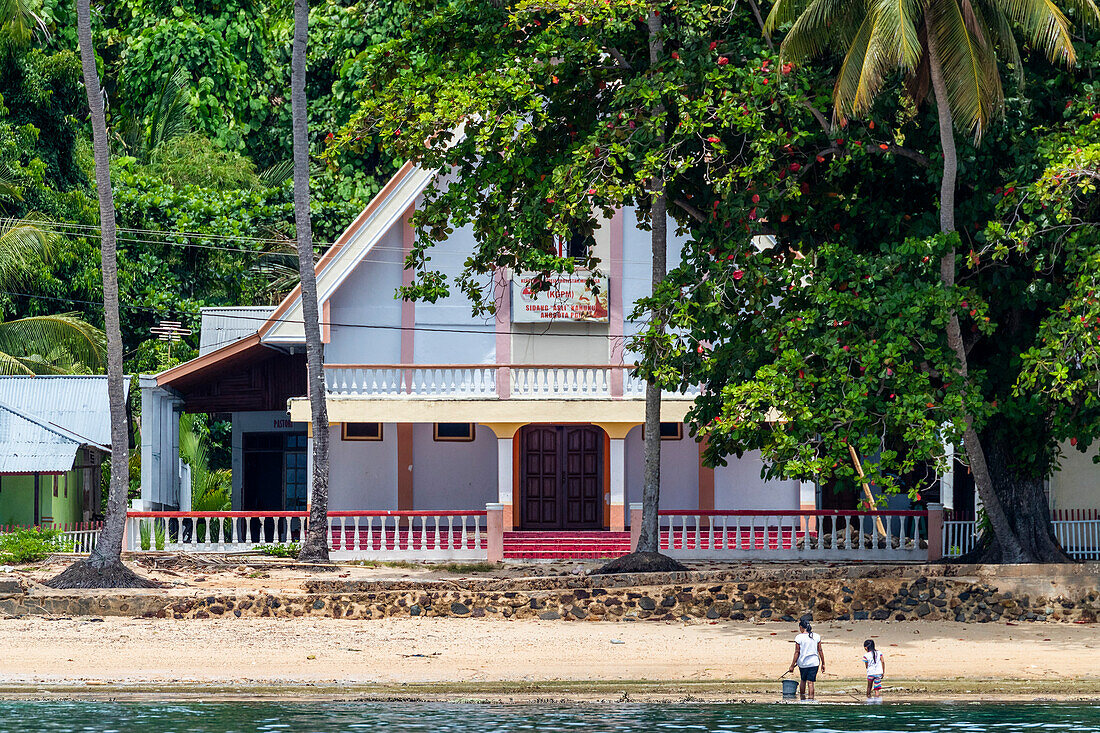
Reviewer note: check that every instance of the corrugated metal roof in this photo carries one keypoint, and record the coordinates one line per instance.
(26, 446)
(222, 326)
(76, 404)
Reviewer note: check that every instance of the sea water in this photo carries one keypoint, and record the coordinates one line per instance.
(111, 717)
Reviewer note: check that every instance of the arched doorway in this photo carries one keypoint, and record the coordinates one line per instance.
(561, 477)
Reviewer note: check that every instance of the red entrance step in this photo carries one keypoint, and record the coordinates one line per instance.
(565, 545)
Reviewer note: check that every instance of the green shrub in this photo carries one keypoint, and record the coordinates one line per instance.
(145, 533)
(32, 545)
(290, 549)
(159, 530)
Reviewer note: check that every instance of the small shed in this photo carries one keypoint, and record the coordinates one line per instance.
(55, 431)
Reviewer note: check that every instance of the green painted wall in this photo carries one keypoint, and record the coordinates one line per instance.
(17, 498)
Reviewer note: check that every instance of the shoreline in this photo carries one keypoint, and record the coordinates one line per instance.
(557, 692)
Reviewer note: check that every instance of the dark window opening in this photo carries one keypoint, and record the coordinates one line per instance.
(669, 431)
(362, 431)
(275, 471)
(454, 431)
(577, 245)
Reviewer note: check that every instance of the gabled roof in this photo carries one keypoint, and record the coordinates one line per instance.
(283, 325)
(44, 421)
(386, 209)
(74, 403)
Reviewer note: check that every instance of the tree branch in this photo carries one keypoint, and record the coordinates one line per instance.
(760, 22)
(619, 58)
(818, 116)
(921, 160)
(693, 212)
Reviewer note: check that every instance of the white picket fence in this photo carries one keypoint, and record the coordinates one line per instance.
(1079, 537)
(80, 537)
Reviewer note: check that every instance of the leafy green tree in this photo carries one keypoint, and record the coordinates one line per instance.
(46, 344)
(950, 45)
(18, 25)
(838, 328)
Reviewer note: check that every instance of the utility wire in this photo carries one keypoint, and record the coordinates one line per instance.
(90, 231)
(245, 317)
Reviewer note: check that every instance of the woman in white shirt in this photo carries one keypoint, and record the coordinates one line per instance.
(809, 657)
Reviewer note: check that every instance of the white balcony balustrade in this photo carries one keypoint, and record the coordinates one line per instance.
(487, 381)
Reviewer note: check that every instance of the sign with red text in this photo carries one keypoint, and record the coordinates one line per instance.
(568, 299)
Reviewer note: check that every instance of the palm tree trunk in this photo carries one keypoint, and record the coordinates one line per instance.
(104, 568)
(315, 545)
(1010, 546)
(650, 536)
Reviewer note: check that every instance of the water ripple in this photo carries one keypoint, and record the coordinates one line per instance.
(111, 717)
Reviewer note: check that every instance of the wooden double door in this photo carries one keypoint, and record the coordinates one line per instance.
(561, 481)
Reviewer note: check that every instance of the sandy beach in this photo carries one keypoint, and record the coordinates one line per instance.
(474, 654)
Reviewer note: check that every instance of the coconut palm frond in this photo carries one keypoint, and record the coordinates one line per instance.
(825, 24)
(18, 24)
(1085, 12)
(13, 365)
(171, 116)
(968, 67)
(277, 174)
(62, 342)
(784, 12)
(979, 27)
(1045, 25)
(8, 189)
(861, 73)
(1000, 33)
(23, 244)
(897, 23)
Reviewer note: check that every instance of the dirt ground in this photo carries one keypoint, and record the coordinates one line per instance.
(253, 573)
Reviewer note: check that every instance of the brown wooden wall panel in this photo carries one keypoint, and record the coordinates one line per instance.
(264, 384)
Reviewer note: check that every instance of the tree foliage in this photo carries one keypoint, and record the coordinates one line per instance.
(840, 344)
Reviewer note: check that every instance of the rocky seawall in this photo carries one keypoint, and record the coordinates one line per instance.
(1066, 594)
